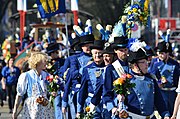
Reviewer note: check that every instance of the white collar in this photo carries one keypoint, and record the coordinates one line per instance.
(139, 77)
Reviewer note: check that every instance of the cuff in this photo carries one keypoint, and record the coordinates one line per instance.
(64, 104)
(166, 114)
(79, 108)
(110, 105)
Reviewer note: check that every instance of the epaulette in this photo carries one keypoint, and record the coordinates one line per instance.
(90, 62)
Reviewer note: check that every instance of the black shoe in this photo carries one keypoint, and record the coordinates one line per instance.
(10, 111)
(2, 104)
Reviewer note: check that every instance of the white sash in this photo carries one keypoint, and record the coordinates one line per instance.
(118, 67)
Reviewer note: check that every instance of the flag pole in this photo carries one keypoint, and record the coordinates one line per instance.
(75, 17)
(21, 26)
(66, 26)
(21, 7)
(74, 9)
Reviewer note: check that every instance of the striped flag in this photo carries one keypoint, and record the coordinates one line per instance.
(74, 9)
(74, 5)
(22, 8)
(48, 8)
(21, 5)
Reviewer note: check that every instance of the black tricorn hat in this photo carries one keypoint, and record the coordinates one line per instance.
(108, 48)
(164, 47)
(120, 42)
(135, 56)
(52, 48)
(75, 42)
(86, 39)
(149, 51)
(98, 44)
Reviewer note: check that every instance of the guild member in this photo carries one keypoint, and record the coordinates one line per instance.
(56, 63)
(73, 78)
(92, 74)
(167, 71)
(114, 71)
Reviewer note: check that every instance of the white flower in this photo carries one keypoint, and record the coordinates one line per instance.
(143, 44)
(56, 80)
(127, 9)
(111, 39)
(137, 45)
(139, 10)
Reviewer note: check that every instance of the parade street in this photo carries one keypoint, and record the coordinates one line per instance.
(4, 112)
(89, 59)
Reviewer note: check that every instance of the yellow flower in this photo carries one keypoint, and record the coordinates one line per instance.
(56, 76)
(134, 10)
(87, 109)
(129, 12)
(129, 22)
(141, 18)
(128, 76)
(55, 80)
(119, 81)
(163, 79)
(124, 19)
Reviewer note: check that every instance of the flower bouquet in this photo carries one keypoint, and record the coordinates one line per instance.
(55, 84)
(162, 81)
(138, 12)
(122, 87)
(51, 67)
(87, 115)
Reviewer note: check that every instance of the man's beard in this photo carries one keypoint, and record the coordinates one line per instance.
(123, 58)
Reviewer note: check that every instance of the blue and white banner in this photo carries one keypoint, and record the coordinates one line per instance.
(48, 8)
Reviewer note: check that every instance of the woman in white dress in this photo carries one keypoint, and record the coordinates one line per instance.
(176, 112)
(32, 82)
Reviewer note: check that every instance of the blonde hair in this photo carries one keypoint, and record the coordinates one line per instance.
(35, 58)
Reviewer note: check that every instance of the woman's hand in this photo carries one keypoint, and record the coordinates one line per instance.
(3, 83)
(16, 105)
(173, 117)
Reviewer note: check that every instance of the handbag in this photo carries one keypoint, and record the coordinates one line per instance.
(41, 99)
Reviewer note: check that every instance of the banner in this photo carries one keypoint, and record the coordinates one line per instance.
(48, 8)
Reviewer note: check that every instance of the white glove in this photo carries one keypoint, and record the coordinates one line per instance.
(121, 98)
(92, 107)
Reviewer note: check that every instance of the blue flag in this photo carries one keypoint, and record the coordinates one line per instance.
(48, 8)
